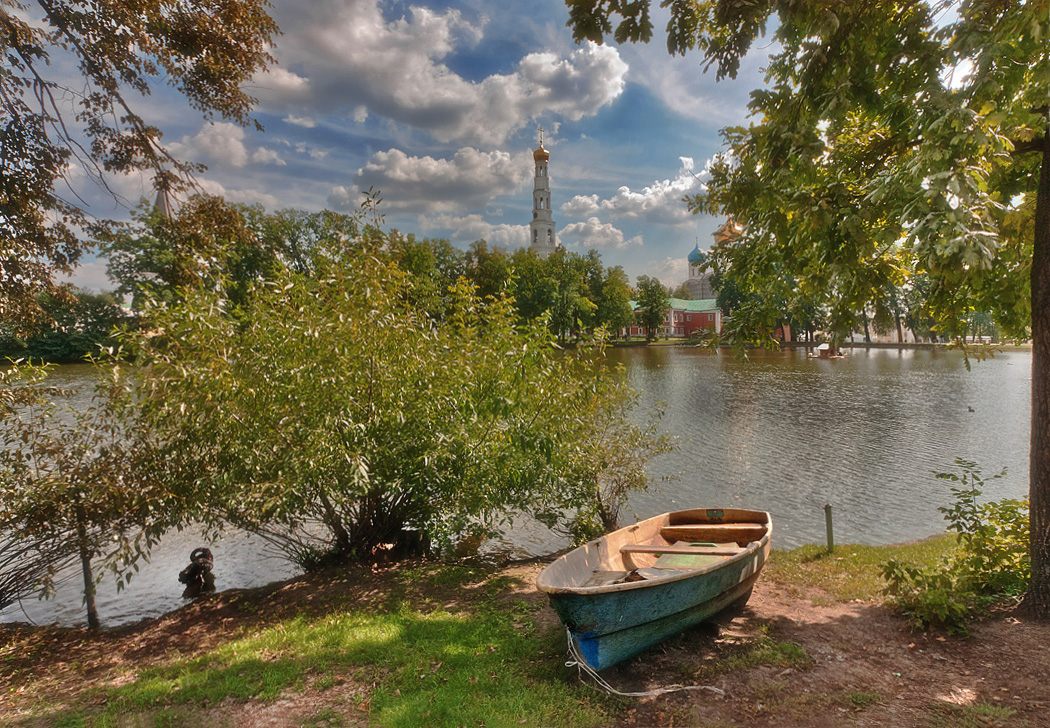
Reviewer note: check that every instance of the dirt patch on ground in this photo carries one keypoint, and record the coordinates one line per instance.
(863, 666)
(789, 658)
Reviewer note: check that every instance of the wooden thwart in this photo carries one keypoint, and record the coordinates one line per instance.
(717, 532)
(637, 548)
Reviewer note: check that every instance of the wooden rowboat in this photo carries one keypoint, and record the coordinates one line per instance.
(635, 587)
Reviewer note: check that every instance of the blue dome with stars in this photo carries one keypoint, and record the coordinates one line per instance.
(697, 256)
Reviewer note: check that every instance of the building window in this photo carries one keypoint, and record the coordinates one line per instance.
(550, 237)
(710, 317)
(689, 317)
(535, 236)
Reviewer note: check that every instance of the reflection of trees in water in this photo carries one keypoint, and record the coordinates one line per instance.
(789, 434)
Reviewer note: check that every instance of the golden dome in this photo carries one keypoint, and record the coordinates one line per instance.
(541, 154)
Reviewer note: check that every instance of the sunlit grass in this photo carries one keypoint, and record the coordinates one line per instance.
(482, 662)
(851, 572)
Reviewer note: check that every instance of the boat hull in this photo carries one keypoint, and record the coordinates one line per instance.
(612, 623)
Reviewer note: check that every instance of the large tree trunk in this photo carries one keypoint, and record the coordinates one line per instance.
(1038, 596)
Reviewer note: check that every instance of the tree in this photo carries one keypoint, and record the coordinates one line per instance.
(682, 292)
(654, 303)
(75, 331)
(489, 270)
(156, 256)
(205, 50)
(614, 306)
(70, 486)
(896, 140)
(332, 415)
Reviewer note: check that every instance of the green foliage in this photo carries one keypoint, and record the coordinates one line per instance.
(71, 486)
(209, 242)
(993, 536)
(654, 303)
(77, 327)
(611, 466)
(930, 597)
(890, 145)
(330, 413)
(991, 563)
(52, 124)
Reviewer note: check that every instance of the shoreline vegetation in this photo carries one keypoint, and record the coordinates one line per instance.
(434, 644)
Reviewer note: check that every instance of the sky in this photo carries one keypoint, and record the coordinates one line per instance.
(437, 106)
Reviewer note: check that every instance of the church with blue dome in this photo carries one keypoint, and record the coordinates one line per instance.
(699, 282)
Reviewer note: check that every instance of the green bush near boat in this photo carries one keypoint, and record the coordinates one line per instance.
(990, 565)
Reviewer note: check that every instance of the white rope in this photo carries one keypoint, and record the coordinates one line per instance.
(578, 662)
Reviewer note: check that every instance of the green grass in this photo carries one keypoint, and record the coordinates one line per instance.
(980, 715)
(851, 572)
(860, 699)
(754, 651)
(449, 645)
(484, 662)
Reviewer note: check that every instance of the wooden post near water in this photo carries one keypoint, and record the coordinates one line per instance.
(830, 530)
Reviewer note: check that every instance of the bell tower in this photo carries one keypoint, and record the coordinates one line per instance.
(541, 229)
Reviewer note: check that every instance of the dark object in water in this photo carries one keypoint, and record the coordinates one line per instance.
(197, 576)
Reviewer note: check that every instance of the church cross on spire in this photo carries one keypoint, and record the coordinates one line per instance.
(541, 134)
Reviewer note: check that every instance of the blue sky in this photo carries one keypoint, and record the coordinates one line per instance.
(437, 104)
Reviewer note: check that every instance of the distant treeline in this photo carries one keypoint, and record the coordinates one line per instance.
(233, 247)
(72, 329)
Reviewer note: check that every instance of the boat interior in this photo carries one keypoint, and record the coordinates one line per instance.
(660, 548)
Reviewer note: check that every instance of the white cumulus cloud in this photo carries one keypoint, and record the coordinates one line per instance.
(596, 234)
(303, 121)
(660, 202)
(468, 180)
(669, 271)
(349, 59)
(223, 143)
(468, 228)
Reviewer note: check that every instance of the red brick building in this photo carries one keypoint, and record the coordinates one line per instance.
(684, 318)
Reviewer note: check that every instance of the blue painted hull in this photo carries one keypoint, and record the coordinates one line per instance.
(610, 624)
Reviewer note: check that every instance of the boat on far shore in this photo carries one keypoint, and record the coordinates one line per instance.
(633, 588)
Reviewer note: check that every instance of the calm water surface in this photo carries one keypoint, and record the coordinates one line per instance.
(778, 432)
(785, 433)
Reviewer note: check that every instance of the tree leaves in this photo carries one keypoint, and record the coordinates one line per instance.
(331, 412)
(207, 51)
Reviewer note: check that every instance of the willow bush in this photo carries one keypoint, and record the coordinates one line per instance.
(330, 414)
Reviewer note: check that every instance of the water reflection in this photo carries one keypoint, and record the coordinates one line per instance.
(779, 432)
(788, 434)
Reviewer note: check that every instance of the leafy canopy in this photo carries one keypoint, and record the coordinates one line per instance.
(893, 140)
(331, 413)
(206, 50)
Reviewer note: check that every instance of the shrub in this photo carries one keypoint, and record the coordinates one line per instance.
(332, 414)
(991, 563)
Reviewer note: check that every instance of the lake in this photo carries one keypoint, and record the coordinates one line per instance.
(777, 431)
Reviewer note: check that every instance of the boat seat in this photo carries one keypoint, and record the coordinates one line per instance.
(716, 532)
(706, 549)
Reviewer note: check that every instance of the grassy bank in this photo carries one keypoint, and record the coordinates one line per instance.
(421, 645)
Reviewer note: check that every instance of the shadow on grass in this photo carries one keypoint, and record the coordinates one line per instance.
(421, 662)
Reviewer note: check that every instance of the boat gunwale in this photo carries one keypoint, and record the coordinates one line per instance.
(674, 575)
